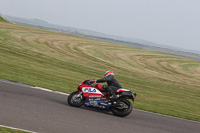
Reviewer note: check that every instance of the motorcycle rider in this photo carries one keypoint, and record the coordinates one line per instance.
(112, 84)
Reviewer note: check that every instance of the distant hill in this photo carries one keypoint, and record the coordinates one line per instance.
(2, 19)
(132, 42)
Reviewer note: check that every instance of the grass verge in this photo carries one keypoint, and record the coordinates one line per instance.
(165, 84)
(9, 130)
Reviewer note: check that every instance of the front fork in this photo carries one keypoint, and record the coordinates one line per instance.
(79, 94)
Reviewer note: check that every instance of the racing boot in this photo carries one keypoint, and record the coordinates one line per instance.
(113, 95)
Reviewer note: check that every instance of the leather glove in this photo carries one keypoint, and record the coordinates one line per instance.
(92, 81)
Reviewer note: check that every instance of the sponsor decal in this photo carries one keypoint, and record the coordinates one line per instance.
(92, 90)
(95, 96)
(85, 89)
(89, 90)
(94, 99)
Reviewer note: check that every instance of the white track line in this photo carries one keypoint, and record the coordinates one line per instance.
(17, 129)
(34, 87)
(44, 89)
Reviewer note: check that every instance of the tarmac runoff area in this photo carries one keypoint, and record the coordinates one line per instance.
(36, 109)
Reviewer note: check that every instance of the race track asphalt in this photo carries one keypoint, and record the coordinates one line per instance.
(41, 111)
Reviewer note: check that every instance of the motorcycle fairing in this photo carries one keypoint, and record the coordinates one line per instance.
(97, 103)
(91, 92)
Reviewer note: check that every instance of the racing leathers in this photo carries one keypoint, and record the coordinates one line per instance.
(112, 84)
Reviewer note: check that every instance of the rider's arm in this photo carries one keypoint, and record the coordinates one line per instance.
(104, 79)
(101, 80)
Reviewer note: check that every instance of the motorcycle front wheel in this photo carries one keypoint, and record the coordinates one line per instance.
(123, 110)
(74, 100)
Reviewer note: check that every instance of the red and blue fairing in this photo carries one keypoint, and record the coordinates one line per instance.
(94, 96)
(97, 97)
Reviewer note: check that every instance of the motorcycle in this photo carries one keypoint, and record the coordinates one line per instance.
(91, 95)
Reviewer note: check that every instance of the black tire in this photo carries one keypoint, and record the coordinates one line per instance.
(122, 112)
(76, 102)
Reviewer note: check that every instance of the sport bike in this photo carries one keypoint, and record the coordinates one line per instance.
(91, 95)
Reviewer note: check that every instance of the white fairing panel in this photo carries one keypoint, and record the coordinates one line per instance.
(91, 90)
(121, 89)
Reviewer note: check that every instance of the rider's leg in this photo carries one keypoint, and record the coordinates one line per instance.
(110, 90)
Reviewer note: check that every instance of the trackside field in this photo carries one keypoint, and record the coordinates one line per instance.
(165, 84)
(11, 130)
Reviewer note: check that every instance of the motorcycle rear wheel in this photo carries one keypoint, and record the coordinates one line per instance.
(123, 111)
(75, 101)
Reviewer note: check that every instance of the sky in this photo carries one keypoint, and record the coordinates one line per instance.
(167, 22)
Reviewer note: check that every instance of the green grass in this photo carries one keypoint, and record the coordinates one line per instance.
(9, 130)
(165, 84)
